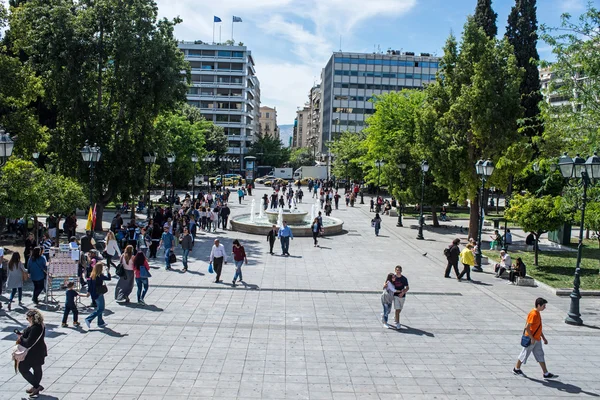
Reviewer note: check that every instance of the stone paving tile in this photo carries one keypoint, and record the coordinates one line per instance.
(200, 340)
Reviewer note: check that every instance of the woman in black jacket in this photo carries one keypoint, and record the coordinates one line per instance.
(33, 338)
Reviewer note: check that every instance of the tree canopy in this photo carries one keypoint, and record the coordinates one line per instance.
(269, 150)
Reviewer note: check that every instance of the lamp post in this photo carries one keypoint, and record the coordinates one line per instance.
(345, 162)
(402, 167)
(6, 146)
(506, 204)
(586, 170)
(91, 155)
(424, 169)
(379, 164)
(171, 160)
(36, 156)
(484, 170)
(149, 159)
(194, 161)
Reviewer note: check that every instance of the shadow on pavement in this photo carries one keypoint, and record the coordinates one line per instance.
(110, 332)
(480, 283)
(42, 397)
(250, 286)
(147, 307)
(195, 273)
(414, 331)
(563, 387)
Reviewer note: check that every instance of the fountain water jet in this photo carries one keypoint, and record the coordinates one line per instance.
(252, 205)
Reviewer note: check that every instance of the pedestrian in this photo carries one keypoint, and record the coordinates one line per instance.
(285, 233)
(143, 241)
(387, 298)
(328, 208)
(376, 223)
(225, 211)
(125, 285)
(218, 256)
(32, 338)
(187, 243)
(452, 254)
(141, 270)
(112, 249)
(315, 231)
(507, 239)
(240, 193)
(372, 205)
(46, 244)
(97, 289)
(29, 246)
(70, 306)
(265, 201)
(168, 241)
(336, 199)
(155, 236)
(271, 236)
(533, 334)
(468, 260)
(16, 274)
(87, 242)
(37, 271)
(401, 286)
(239, 256)
(300, 194)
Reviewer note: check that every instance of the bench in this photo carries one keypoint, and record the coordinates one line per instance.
(526, 281)
(393, 213)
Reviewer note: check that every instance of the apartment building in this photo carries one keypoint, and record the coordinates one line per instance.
(226, 90)
(268, 122)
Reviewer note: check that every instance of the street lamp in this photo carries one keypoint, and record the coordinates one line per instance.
(379, 164)
(149, 159)
(171, 160)
(35, 155)
(586, 170)
(6, 146)
(484, 170)
(424, 169)
(91, 155)
(402, 167)
(345, 162)
(194, 161)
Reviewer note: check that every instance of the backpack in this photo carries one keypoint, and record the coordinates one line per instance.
(447, 252)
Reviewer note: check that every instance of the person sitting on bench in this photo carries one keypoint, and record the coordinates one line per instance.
(505, 263)
(518, 270)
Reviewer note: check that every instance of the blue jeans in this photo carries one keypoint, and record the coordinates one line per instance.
(186, 253)
(141, 282)
(387, 308)
(167, 262)
(238, 270)
(285, 244)
(100, 303)
(13, 292)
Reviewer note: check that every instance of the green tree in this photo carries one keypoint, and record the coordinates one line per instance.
(485, 17)
(181, 138)
(522, 35)
(471, 113)
(109, 69)
(536, 214)
(348, 146)
(269, 150)
(574, 126)
(300, 157)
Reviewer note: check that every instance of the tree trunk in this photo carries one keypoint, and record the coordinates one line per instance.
(35, 228)
(434, 218)
(474, 218)
(536, 248)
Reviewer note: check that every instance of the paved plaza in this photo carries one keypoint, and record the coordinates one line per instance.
(308, 327)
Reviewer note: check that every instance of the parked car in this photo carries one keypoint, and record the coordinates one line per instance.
(303, 181)
(228, 179)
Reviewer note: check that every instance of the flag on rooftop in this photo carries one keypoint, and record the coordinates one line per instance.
(236, 19)
(216, 19)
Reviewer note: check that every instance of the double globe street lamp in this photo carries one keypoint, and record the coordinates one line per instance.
(424, 169)
(379, 164)
(484, 170)
(149, 159)
(91, 155)
(6, 146)
(171, 160)
(195, 160)
(589, 170)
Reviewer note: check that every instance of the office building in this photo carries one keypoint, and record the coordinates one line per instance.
(226, 90)
(268, 122)
(301, 127)
(350, 80)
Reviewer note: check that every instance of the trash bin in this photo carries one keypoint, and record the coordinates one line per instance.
(562, 235)
(496, 223)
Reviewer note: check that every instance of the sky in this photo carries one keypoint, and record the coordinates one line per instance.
(291, 40)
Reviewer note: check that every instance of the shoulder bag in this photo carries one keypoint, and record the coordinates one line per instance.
(20, 352)
(526, 340)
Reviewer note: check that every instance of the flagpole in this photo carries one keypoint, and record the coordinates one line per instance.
(232, 23)
(213, 41)
(220, 41)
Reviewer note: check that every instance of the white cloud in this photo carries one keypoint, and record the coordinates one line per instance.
(571, 6)
(309, 29)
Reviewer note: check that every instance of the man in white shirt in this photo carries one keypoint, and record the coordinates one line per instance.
(505, 263)
(217, 257)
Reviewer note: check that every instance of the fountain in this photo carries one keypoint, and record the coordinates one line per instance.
(261, 212)
(280, 218)
(252, 210)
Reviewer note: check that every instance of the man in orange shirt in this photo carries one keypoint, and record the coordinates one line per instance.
(533, 329)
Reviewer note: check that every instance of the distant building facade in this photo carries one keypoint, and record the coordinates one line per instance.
(268, 122)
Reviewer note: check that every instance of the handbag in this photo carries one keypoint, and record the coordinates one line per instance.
(211, 269)
(387, 297)
(144, 273)
(20, 352)
(526, 340)
(172, 258)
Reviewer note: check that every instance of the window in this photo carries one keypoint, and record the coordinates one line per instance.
(206, 104)
(208, 66)
(224, 53)
(223, 66)
(237, 54)
(268, 115)
(237, 67)
(192, 90)
(206, 91)
(207, 78)
(208, 53)
(235, 118)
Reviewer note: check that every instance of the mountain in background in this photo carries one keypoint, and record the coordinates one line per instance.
(285, 134)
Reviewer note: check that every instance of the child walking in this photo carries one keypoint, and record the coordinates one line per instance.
(70, 305)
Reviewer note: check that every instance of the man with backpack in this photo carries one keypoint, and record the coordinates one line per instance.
(452, 254)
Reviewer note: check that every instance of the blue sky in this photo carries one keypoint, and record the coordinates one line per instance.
(291, 40)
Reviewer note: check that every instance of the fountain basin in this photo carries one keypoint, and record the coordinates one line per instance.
(291, 216)
(241, 223)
